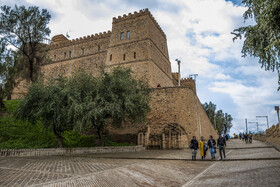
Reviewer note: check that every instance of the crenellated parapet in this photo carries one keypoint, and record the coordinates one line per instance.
(135, 15)
(59, 41)
(188, 82)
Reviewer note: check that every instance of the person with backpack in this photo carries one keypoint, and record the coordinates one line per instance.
(194, 147)
(212, 146)
(221, 143)
(201, 147)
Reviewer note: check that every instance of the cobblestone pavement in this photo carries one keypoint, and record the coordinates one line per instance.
(147, 168)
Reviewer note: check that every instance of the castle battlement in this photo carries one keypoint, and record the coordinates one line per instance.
(61, 41)
(138, 14)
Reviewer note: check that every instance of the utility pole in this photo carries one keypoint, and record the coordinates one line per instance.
(246, 125)
(179, 73)
(72, 55)
(277, 110)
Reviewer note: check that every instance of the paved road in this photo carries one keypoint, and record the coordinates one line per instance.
(254, 164)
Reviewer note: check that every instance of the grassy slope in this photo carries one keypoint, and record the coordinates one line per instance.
(21, 134)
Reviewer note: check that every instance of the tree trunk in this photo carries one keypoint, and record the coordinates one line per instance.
(99, 132)
(31, 70)
(2, 105)
(59, 139)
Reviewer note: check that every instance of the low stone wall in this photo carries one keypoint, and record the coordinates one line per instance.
(273, 135)
(260, 138)
(67, 151)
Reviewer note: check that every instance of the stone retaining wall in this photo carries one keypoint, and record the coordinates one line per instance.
(67, 151)
(260, 138)
(273, 135)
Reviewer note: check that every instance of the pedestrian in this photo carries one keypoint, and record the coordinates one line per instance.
(250, 137)
(221, 143)
(246, 138)
(194, 147)
(205, 149)
(212, 146)
(201, 147)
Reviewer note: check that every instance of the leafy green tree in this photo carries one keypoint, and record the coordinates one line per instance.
(7, 73)
(25, 29)
(227, 122)
(222, 122)
(116, 98)
(48, 103)
(210, 110)
(84, 102)
(263, 38)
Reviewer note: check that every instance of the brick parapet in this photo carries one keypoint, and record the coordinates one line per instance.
(81, 40)
(138, 14)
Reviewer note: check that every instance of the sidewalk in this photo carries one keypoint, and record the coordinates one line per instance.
(242, 151)
(147, 168)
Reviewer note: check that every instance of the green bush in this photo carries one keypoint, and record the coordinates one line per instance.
(76, 139)
(21, 134)
(11, 105)
(17, 134)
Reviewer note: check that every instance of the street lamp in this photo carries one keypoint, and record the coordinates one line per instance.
(264, 117)
(277, 110)
(72, 56)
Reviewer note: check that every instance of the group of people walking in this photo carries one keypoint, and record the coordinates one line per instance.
(247, 137)
(211, 144)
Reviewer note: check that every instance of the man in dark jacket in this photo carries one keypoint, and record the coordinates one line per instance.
(212, 146)
(221, 144)
(194, 147)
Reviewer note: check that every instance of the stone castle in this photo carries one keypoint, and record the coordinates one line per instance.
(138, 42)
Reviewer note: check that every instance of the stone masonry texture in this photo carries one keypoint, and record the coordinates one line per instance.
(138, 42)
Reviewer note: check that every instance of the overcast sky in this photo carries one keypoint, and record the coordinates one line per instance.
(198, 33)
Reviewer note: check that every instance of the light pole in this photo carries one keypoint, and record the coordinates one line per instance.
(179, 73)
(264, 117)
(246, 125)
(72, 55)
(277, 110)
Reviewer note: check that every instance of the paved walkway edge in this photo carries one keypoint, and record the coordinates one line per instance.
(68, 151)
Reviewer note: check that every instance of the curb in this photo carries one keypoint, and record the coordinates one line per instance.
(182, 159)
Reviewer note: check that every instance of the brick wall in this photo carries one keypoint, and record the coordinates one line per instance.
(175, 111)
(273, 135)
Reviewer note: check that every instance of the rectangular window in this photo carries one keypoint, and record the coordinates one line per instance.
(98, 48)
(83, 51)
(122, 35)
(110, 57)
(128, 34)
(64, 54)
(69, 54)
(123, 56)
(134, 55)
(55, 57)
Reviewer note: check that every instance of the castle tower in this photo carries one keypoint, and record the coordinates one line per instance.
(138, 42)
